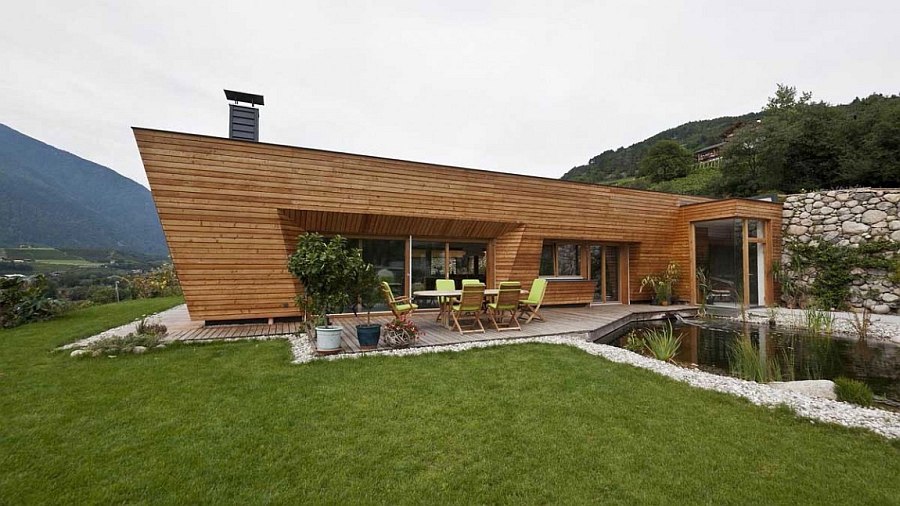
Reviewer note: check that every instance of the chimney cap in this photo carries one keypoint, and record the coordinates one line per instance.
(249, 98)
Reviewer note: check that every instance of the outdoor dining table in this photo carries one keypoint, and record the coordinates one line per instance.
(450, 295)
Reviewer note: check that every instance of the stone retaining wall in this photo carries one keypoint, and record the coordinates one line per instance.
(847, 217)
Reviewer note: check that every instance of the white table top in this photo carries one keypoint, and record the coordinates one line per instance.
(455, 293)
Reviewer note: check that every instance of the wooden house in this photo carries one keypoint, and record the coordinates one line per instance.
(232, 210)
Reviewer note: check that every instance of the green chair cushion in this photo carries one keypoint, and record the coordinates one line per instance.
(406, 307)
(456, 307)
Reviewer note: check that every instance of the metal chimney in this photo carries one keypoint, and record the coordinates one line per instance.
(243, 121)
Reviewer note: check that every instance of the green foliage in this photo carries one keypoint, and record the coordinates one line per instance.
(24, 300)
(744, 362)
(612, 165)
(160, 282)
(853, 391)
(804, 145)
(366, 290)
(329, 272)
(662, 284)
(662, 343)
(698, 181)
(665, 161)
(832, 265)
(818, 321)
(117, 345)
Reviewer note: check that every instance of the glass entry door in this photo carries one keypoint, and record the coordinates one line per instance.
(605, 273)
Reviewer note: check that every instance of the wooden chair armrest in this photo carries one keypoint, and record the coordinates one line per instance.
(401, 299)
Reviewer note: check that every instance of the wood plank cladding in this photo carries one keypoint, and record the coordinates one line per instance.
(231, 211)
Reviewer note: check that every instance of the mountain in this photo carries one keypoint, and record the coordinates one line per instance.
(623, 162)
(54, 198)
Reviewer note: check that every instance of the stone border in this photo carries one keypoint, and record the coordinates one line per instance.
(884, 423)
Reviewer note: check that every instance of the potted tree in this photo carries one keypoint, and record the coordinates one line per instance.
(328, 271)
(367, 295)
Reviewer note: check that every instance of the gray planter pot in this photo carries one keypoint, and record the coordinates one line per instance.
(328, 339)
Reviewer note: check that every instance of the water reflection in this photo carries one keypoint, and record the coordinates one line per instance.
(791, 354)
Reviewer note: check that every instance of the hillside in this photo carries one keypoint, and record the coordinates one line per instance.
(623, 162)
(51, 197)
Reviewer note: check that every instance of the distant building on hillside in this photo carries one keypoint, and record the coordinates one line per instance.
(709, 155)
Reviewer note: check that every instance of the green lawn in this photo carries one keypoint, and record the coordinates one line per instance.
(236, 423)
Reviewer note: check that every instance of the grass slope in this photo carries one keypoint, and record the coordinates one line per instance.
(236, 423)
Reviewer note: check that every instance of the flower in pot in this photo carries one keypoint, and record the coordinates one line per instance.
(400, 333)
(328, 271)
(662, 284)
(367, 294)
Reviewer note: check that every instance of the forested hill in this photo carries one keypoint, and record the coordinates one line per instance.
(53, 198)
(623, 162)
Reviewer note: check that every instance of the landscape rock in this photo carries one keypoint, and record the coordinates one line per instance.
(873, 216)
(854, 228)
(79, 353)
(139, 350)
(812, 388)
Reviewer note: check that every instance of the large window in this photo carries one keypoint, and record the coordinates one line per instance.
(730, 256)
(560, 259)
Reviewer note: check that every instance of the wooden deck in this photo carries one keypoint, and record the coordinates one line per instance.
(595, 321)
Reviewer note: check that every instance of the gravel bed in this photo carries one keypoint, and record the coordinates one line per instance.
(121, 330)
(882, 326)
(879, 421)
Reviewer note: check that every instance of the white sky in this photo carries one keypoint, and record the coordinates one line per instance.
(518, 86)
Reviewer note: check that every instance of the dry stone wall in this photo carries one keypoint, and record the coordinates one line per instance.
(844, 218)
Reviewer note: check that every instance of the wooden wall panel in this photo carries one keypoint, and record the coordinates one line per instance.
(231, 211)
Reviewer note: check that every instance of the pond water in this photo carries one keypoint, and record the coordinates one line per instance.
(799, 355)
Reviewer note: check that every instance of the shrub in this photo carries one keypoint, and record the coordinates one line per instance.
(853, 391)
(151, 328)
(101, 294)
(25, 300)
(115, 345)
(658, 342)
(161, 282)
(744, 362)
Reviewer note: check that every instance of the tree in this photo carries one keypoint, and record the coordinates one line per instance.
(665, 161)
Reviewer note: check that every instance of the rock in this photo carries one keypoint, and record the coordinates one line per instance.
(830, 236)
(883, 206)
(826, 211)
(160, 346)
(96, 353)
(850, 204)
(806, 222)
(889, 297)
(858, 210)
(813, 388)
(842, 197)
(852, 227)
(857, 271)
(895, 236)
(863, 195)
(880, 224)
(873, 216)
(892, 197)
(139, 349)
(830, 220)
(787, 213)
(803, 215)
(818, 205)
(79, 353)
(881, 309)
(835, 205)
(799, 230)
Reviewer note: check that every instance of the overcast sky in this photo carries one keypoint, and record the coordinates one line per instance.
(517, 86)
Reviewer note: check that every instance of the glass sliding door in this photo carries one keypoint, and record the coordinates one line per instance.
(389, 258)
(433, 260)
(467, 260)
(605, 272)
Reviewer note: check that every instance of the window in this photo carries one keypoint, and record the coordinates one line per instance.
(560, 259)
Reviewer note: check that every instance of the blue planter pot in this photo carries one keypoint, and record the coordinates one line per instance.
(368, 335)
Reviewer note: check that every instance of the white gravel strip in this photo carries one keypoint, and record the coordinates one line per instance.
(882, 422)
(882, 326)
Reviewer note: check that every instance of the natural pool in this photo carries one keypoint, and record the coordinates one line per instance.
(796, 353)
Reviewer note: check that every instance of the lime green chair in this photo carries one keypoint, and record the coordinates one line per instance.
(507, 301)
(444, 302)
(400, 306)
(469, 304)
(531, 306)
(471, 282)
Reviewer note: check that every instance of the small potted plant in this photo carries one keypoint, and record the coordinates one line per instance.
(400, 333)
(367, 295)
(663, 285)
(328, 271)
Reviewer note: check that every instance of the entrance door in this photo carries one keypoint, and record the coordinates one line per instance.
(605, 272)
